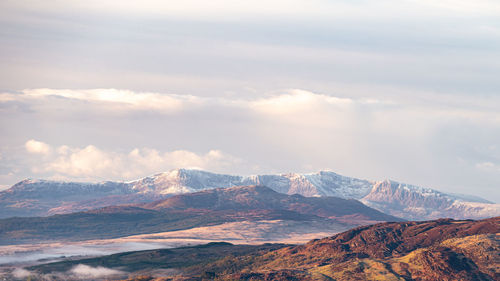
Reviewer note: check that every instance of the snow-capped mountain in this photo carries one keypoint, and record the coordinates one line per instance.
(318, 184)
(416, 203)
(40, 197)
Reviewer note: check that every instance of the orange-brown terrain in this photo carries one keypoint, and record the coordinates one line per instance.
(442, 250)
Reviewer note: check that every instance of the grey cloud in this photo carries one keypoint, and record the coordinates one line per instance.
(451, 52)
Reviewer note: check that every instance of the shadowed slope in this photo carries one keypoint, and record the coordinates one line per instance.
(261, 197)
(212, 207)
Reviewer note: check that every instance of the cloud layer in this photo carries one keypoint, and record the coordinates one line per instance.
(109, 134)
(78, 272)
(243, 48)
(117, 99)
(92, 163)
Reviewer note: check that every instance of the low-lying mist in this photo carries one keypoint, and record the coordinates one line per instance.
(33, 254)
(78, 272)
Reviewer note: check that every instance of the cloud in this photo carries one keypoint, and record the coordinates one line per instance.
(91, 162)
(116, 99)
(37, 147)
(297, 100)
(85, 271)
(284, 103)
(78, 272)
(451, 45)
(488, 166)
(412, 140)
(227, 9)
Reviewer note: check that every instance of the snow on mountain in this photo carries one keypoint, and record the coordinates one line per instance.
(416, 203)
(317, 184)
(183, 181)
(39, 197)
(36, 189)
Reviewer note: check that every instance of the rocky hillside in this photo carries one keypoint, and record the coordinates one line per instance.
(434, 250)
(442, 249)
(41, 198)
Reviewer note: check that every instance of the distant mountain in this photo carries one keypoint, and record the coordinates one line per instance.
(209, 207)
(319, 184)
(442, 249)
(264, 198)
(41, 198)
(416, 203)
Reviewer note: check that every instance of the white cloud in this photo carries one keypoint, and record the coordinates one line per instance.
(37, 147)
(6, 97)
(85, 271)
(90, 162)
(111, 100)
(488, 166)
(117, 99)
(83, 162)
(297, 101)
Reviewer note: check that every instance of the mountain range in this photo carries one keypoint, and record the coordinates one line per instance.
(43, 197)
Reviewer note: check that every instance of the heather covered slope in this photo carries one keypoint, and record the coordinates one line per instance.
(432, 250)
(196, 256)
(386, 240)
(261, 197)
(211, 207)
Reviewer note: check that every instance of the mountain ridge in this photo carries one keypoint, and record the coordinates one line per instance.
(31, 197)
(185, 211)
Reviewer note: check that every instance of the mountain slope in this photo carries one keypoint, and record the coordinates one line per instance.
(41, 198)
(413, 202)
(427, 251)
(319, 184)
(211, 207)
(401, 251)
(260, 197)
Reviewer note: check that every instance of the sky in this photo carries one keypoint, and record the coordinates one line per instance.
(118, 90)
